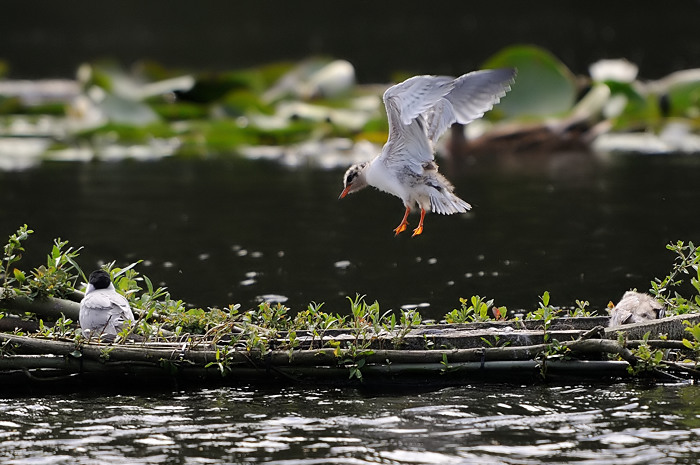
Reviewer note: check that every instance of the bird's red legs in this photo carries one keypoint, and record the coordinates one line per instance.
(404, 222)
(419, 229)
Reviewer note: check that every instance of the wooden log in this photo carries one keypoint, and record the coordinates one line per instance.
(9, 324)
(49, 367)
(672, 326)
(202, 355)
(43, 359)
(55, 368)
(47, 307)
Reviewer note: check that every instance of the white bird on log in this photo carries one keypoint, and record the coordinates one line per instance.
(103, 311)
(420, 110)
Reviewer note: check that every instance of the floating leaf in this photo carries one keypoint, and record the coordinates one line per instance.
(629, 107)
(684, 99)
(544, 85)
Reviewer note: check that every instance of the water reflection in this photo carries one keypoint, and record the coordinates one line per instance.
(226, 231)
(624, 423)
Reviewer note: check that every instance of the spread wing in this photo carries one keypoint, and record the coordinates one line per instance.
(472, 95)
(405, 105)
(421, 108)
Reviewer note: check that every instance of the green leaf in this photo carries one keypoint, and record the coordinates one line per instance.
(658, 356)
(684, 98)
(19, 275)
(124, 270)
(638, 109)
(544, 85)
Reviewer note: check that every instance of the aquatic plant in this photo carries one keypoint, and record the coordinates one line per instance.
(472, 310)
(545, 86)
(581, 309)
(409, 320)
(12, 253)
(446, 367)
(197, 113)
(648, 358)
(554, 350)
(56, 278)
(687, 262)
(63, 328)
(694, 345)
(60, 274)
(317, 322)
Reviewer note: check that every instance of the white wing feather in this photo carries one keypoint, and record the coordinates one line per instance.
(421, 108)
(472, 95)
(416, 95)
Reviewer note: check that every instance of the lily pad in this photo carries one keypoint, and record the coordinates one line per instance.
(684, 99)
(629, 107)
(544, 85)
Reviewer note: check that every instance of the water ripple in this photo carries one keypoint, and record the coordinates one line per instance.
(621, 424)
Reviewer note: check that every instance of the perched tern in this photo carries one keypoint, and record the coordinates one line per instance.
(420, 110)
(103, 311)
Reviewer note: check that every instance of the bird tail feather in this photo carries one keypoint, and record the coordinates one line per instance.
(448, 204)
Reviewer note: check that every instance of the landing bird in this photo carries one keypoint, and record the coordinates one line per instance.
(103, 311)
(420, 110)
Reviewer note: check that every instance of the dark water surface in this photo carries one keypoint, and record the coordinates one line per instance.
(42, 39)
(234, 231)
(222, 231)
(481, 424)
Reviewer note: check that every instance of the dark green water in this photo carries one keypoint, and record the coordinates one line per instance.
(480, 424)
(231, 231)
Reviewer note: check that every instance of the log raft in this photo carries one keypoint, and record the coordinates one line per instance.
(429, 355)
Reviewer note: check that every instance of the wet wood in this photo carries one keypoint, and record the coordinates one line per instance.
(458, 354)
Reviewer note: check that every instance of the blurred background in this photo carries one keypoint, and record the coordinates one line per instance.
(209, 140)
(43, 39)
